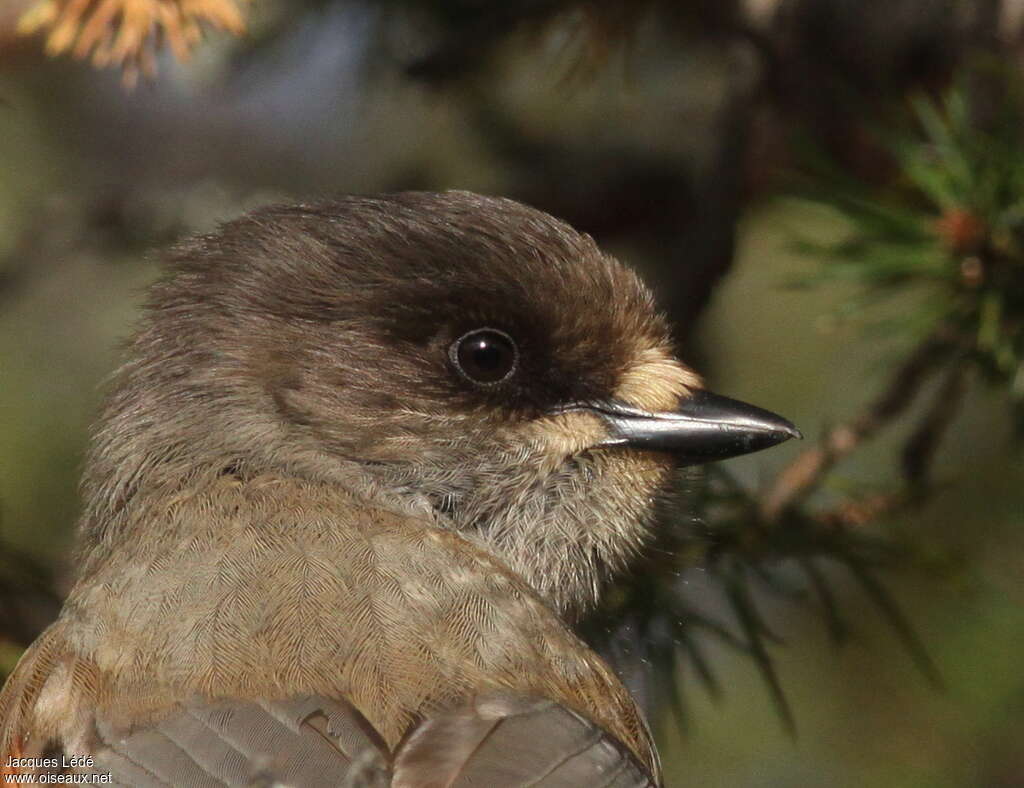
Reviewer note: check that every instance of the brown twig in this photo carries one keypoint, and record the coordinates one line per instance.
(802, 476)
(919, 449)
(860, 511)
(917, 456)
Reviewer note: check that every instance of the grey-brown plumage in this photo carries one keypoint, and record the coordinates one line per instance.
(367, 462)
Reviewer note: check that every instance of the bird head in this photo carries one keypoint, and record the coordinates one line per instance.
(465, 359)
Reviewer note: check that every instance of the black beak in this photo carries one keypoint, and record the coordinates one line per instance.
(706, 427)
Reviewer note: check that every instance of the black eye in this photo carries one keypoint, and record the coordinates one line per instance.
(484, 355)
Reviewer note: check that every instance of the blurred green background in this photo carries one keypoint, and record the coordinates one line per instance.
(670, 131)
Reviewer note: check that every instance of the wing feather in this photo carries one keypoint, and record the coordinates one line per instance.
(498, 739)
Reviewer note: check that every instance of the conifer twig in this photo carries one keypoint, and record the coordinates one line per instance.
(802, 476)
(128, 33)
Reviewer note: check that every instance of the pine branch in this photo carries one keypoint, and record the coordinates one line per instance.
(128, 33)
(805, 473)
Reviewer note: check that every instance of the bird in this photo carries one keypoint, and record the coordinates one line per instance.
(366, 466)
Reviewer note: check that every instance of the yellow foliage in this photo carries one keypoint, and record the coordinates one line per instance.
(127, 33)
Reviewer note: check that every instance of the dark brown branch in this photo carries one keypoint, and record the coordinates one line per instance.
(919, 449)
(802, 476)
(861, 511)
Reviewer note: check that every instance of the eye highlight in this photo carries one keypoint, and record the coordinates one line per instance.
(485, 356)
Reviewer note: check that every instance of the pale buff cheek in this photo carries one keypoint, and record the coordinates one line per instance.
(641, 476)
(567, 435)
(656, 381)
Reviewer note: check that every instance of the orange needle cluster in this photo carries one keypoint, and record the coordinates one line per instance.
(128, 33)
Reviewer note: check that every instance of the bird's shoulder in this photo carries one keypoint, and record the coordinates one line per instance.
(283, 586)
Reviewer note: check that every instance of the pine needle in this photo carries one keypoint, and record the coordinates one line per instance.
(127, 34)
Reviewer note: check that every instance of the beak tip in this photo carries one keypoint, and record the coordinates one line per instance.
(780, 430)
(705, 427)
